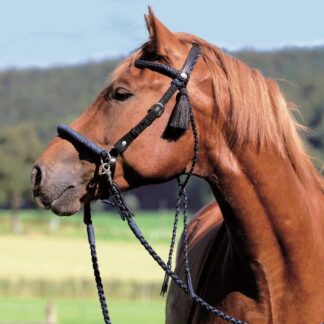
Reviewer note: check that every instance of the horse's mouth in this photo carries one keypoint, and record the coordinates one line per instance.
(66, 203)
(67, 199)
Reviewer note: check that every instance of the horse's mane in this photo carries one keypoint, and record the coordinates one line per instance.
(258, 113)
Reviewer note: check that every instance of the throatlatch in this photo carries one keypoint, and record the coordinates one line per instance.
(181, 118)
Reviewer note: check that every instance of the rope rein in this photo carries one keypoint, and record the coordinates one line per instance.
(95, 265)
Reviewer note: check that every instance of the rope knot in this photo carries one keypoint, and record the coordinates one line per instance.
(179, 83)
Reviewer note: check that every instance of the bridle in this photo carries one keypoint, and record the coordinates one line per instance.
(179, 83)
(181, 118)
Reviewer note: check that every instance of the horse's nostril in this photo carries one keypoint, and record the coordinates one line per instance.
(36, 177)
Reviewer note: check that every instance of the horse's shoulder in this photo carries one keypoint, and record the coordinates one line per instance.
(202, 231)
(206, 220)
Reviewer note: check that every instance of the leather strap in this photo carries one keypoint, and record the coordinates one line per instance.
(180, 80)
(121, 145)
(191, 60)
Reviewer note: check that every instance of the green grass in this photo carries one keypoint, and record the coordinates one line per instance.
(41, 262)
(50, 260)
(40, 252)
(156, 226)
(19, 310)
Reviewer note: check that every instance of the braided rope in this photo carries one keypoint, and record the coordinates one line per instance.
(127, 215)
(174, 230)
(185, 247)
(194, 62)
(176, 279)
(182, 195)
(95, 264)
(158, 67)
(172, 244)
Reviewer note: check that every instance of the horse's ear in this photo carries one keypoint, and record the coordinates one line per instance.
(162, 40)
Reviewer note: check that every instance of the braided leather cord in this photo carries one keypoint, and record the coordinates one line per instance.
(158, 67)
(165, 283)
(95, 264)
(182, 195)
(185, 246)
(176, 279)
(119, 202)
(188, 69)
(81, 142)
(128, 216)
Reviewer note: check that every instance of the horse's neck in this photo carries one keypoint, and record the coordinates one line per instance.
(269, 214)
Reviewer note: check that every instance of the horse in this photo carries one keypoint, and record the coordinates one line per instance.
(261, 258)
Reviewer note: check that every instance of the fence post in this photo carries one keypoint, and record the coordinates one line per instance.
(50, 313)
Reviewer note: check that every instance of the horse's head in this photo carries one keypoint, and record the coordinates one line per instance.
(62, 176)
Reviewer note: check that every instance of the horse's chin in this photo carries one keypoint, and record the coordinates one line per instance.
(62, 208)
(65, 204)
(68, 203)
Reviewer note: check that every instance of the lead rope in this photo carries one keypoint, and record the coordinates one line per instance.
(95, 265)
(182, 196)
(165, 283)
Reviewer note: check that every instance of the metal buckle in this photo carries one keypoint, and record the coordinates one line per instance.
(105, 168)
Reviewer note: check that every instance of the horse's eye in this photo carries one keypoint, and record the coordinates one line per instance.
(120, 94)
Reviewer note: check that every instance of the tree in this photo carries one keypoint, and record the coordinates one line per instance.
(19, 147)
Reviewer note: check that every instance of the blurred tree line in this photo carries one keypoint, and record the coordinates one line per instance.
(34, 101)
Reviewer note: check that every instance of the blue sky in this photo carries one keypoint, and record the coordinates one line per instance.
(47, 33)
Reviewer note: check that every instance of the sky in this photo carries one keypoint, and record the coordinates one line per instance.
(49, 33)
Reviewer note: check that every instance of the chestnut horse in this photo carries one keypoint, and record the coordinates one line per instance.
(264, 262)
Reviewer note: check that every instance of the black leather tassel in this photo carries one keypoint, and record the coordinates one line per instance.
(165, 285)
(180, 118)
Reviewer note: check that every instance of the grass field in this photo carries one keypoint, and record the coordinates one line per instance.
(50, 260)
(32, 310)
(58, 258)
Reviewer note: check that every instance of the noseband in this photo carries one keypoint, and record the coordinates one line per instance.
(181, 117)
